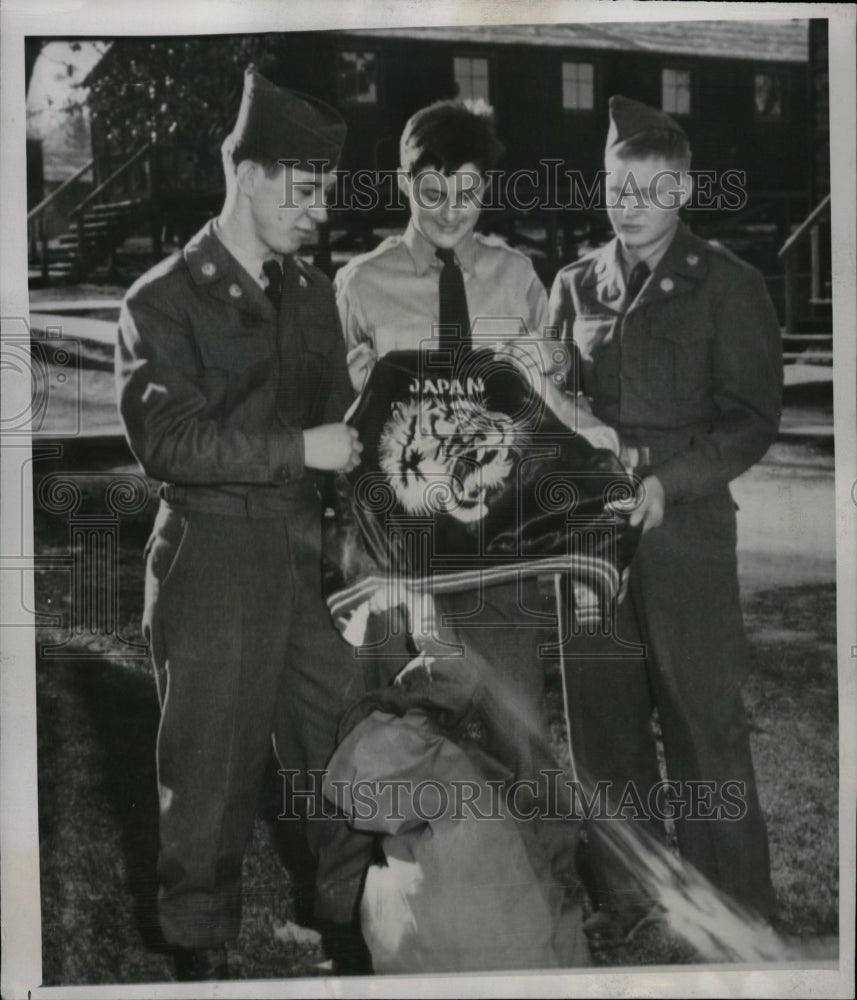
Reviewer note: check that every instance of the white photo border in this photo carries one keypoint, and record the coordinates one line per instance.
(21, 926)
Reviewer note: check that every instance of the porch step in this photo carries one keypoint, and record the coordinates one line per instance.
(814, 357)
(104, 228)
(115, 206)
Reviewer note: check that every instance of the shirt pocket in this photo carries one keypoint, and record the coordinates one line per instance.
(679, 357)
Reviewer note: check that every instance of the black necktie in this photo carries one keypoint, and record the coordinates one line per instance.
(273, 271)
(636, 280)
(283, 291)
(454, 317)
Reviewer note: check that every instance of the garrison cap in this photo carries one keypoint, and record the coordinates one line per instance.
(628, 118)
(283, 124)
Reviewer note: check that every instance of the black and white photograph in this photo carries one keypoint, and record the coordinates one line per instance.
(429, 460)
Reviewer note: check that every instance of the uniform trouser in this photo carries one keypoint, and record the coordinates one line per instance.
(243, 649)
(683, 607)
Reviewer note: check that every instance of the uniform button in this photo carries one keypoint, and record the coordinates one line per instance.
(692, 259)
(667, 284)
(235, 291)
(208, 269)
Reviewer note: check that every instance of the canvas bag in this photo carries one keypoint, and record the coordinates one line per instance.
(457, 892)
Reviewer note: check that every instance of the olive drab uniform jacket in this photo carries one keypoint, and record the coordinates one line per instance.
(692, 369)
(214, 389)
(691, 374)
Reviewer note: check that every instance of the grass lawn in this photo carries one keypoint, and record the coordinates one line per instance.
(97, 721)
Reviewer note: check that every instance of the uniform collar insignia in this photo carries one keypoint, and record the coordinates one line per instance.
(684, 263)
(680, 268)
(207, 258)
(686, 257)
(211, 264)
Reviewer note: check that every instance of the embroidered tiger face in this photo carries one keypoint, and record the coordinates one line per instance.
(447, 457)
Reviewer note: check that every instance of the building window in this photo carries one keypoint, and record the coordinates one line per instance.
(768, 96)
(471, 79)
(357, 76)
(578, 86)
(675, 91)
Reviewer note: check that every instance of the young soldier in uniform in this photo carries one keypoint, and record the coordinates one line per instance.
(232, 384)
(679, 350)
(405, 295)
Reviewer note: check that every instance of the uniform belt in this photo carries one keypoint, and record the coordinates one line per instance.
(654, 448)
(253, 503)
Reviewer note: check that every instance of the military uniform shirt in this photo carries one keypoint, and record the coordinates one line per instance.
(389, 298)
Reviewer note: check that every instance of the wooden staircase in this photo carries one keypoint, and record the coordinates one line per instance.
(104, 228)
(808, 329)
(116, 208)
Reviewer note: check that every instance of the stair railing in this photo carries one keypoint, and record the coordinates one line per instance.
(787, 254)
(119, 172)
(36, 229)
(38, 236)
(79, 211)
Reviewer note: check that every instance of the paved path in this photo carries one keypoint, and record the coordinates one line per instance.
(786, 524)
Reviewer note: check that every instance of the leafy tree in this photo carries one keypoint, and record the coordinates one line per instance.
(181, 91)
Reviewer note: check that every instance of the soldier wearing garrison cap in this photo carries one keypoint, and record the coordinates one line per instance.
(677, 347)
(629, 118)
(272, 119)
(232, 384)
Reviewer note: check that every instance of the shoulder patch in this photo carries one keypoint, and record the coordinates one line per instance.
(312, 272)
